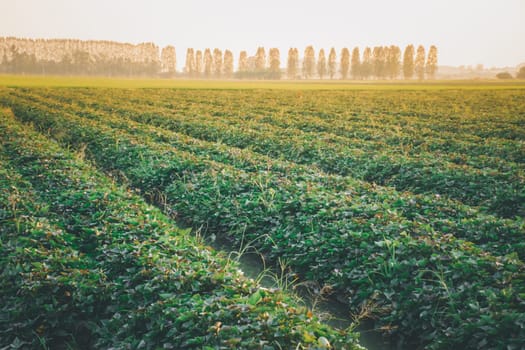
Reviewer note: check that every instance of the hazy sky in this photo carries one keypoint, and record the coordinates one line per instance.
(490, 32)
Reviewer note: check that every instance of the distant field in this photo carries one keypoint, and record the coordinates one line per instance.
(404, 201)
(40, 81)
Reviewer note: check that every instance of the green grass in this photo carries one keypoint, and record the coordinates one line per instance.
(65, 81)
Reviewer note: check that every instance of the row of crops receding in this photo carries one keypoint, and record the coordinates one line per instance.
(480, 168)
(408, 203)
(85, 264)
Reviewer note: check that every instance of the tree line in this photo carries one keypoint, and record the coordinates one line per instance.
(106, 58)
(84, 57)
(380, 62)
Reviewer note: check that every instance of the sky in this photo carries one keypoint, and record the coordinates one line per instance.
(466, 32)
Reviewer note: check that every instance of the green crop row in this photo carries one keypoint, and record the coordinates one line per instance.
(472, 180)
(86, 265)
(498, 236)
(342, 114)
(469, 114)
(443, 291)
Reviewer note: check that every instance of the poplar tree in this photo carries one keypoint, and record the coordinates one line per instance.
(356, 63)
(275, 64)
(345, 63)
(217, 63)
(243, 62)
(260, 60)
(419, 63)
(408, 62)
(432, 62)
(332, 63)
(308, 62)
(189, 68)
(379, 61)
(393, 61)
(521, 73)
(292, 64)
(198, 63)
(208, 63)
(366, 65)
(228, 64)
(168, 60)
(321, 64)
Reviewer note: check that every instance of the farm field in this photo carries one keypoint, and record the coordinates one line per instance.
(87, 265)
(404, 202)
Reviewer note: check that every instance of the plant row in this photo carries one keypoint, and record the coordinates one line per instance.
(472, 123)
(86, 265)
(429, 284)
(498, 236)
(499, 191)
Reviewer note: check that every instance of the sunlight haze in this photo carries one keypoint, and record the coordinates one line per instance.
(468, 32)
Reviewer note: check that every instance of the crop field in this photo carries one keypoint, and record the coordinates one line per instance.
(406, 203)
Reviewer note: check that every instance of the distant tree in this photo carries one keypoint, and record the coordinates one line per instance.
(243, 62)
(332, 63)
(321, 64)
(66, 63)
(260, 60)
(86, 57)
(366, 64)
(228, 64)
(308, 62)
(275, 64)
(408, 62)
(419, 63)
(198, 63)
(379, 62)
(293, 63)
(521, 73)
(345, 63)
(189, 68)
(208, 63)
(432, 61)
(393, 61)
(168, 60)
(504, 75)
(217, 63)
(356, 63)
(81, 62)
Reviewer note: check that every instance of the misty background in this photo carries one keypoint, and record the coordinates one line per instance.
(467, 33)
